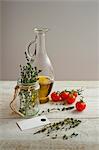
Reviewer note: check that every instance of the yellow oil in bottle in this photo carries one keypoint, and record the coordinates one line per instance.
(45, 88)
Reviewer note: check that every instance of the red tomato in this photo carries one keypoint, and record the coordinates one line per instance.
(71, 99)
(55, 97)
(80, 106)
(75, 93)
(64, 95)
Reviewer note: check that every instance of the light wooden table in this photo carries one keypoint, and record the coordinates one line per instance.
(11, 138)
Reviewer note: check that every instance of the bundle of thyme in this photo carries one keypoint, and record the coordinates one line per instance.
(28, 96)
(29, 74)
(65, 125)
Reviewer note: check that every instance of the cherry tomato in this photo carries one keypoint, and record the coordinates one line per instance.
(55, 97)
(75, 93)
(64, 95)
(80, 106)
(71, 99)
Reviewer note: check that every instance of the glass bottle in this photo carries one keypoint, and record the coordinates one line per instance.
(42, 62)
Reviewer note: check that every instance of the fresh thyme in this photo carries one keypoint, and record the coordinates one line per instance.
(66, 137)
(65, 125)
(56, 109)
(79, 91)
(28, 73)
(28, 94)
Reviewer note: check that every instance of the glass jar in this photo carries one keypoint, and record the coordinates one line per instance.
(28, 99)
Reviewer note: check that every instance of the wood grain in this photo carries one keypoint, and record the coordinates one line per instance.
(11, 138)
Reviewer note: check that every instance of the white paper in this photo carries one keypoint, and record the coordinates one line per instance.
(33, 122)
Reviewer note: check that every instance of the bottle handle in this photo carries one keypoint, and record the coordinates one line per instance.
(28, 49)
(12, 102)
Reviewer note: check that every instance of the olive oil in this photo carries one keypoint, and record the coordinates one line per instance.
(45, 88)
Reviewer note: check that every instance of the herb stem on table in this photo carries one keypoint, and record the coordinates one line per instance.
(65, 125)
(56, 109)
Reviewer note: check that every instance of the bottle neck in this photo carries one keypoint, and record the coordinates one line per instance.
(41, 42)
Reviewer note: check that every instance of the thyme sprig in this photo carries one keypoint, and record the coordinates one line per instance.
(28, 73)
(79, 91)
(56, 109)
(66, 124)
(66, 137)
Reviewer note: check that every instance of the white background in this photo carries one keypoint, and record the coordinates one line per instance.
(72, 42)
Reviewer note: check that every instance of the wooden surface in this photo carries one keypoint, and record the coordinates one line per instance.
(11, 138)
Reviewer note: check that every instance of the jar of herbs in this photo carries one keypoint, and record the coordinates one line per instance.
(28, 96)
(27, 91)
(28, 99)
